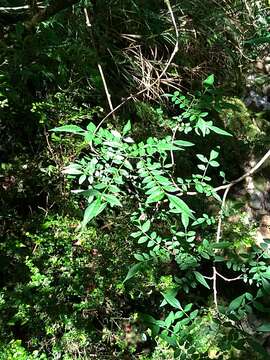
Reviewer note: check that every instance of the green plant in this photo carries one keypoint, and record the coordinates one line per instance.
(118, 167)
(15, 350)
(62, 290)
(65, 284)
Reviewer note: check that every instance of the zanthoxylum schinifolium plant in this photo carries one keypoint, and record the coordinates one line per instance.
(116, 161)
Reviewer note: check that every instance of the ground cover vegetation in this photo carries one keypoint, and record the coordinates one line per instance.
(134, 172)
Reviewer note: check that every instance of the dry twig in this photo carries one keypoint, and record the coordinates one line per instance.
(108, 95)
(227, 188)
(133, 96)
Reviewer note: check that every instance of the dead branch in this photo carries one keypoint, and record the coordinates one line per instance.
(248, 173)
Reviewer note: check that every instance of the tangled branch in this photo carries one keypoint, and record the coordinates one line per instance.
(227, 188)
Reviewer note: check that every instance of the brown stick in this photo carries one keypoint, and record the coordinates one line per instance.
(108, 95)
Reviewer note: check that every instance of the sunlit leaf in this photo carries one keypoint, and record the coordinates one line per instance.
(200, 278)
(169, 296)
(201, 167)
(69, 128)
(127, 127)
(93, 210)
(142, 239)
(219, 131)
(183, 143)
(132, 272)
(146, 226)
(116, 134)
(213, 154)
(237, 302)
(214, 163)
(180, 206)
(139, 257)
(91, 127)
(185, 220)
(156, 196)
(202, 158)
(210, 80)
(264, 327)
(112, 199)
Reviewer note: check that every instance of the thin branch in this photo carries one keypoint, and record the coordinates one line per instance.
(50, 148)
(88, 22)
(12, 15)
(248, 173)
(12, 8)
(247, 8)
(208, 277)
(228, 279)
(108, 95)
(214, 277)
(241, 178)
(173, 138)
(19, 8)
(215, 286)
(218, 235)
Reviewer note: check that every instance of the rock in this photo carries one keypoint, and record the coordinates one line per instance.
(259, 65)
(263, 232)
(256, 201)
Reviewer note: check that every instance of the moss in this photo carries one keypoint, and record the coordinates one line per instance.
(238, 120)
